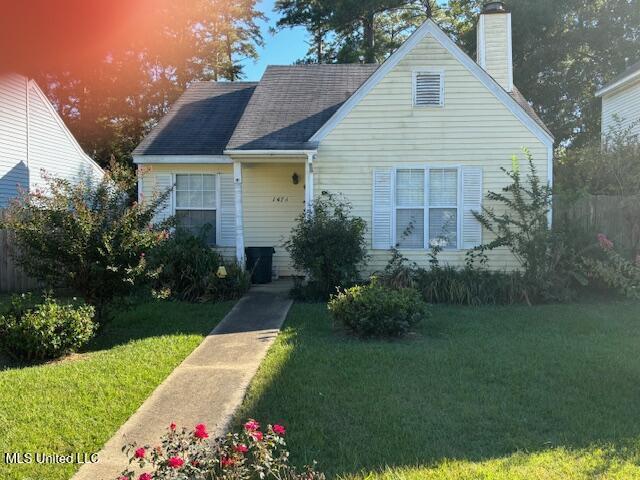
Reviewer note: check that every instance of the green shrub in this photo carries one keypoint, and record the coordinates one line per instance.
(328, 245)
(522, 226)
(84, 236)
(233, 286)
(46, 330)
(377, 311)
(187, 270)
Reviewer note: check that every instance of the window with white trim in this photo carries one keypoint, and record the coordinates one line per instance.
(196, 204)
(427, 207)
(428, 89)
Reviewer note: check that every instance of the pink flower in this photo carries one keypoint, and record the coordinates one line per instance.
(226, 461)
(145, 476)
(201, 431)
(279, 429)
(604, 242)
(176, 462)
(251, 426)
(241, 448)
(140, 453)
(257, 436)
(172, 427)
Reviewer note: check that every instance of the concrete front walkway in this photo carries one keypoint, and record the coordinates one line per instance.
(209, 385)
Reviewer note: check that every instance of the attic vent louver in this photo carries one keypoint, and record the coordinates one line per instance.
(428, 89)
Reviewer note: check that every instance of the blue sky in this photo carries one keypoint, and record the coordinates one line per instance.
(283, 48)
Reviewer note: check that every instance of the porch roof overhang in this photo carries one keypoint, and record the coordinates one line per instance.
(202, 159)
(269, 156)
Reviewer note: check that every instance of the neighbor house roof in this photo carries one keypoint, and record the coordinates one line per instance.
(291, 103)
(201, 121)
(630, 74)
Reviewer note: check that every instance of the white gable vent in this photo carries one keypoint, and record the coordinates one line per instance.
(428, 89)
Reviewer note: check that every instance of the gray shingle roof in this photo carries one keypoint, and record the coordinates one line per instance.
(524, 103)
(291, 103)
(201, 121)
(281, 112)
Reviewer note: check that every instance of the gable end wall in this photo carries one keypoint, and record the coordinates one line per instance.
(385, 130)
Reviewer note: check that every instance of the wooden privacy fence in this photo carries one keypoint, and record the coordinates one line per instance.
(616, 217)
(12, 278)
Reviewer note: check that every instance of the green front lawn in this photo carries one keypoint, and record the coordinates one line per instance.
(549, 392)
(77, 404)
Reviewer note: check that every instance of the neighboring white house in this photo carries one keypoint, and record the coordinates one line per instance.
(621, 102)
(419, 140)
(34, 138)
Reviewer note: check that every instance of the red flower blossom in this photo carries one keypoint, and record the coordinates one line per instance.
(257, 436)
(251, 426)
(201, 431)
(226, 462)
(279, 429)
(145, 476)
(140, 453)
(195, 463)
(176, 462)
(172, 426)
(604, 242)
(241, 448)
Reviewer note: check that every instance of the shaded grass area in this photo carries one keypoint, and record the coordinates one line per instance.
(77, 404)
(493, 392)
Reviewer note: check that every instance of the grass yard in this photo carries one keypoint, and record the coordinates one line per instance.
(75, 405)
(549, 392)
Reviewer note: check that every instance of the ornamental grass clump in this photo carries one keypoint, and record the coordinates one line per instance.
(252, 453)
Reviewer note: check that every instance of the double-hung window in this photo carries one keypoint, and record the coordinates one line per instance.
(196, 204)
(426, 207)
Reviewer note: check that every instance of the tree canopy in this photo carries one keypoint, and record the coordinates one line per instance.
(112, 101)
(563, 50)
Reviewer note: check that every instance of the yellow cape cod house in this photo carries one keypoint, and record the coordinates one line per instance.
(418, 140)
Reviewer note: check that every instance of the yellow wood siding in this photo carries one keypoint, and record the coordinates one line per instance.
(626, 104)
(271, 202)
(148, 189)
(384, 130)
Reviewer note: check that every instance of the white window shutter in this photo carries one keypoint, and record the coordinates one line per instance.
(227, 211)
(164, 182)
(472, 194)
(382, 224)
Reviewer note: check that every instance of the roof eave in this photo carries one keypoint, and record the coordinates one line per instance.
(623, 82)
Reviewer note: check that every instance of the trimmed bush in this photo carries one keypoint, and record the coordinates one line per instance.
(377, 311)
(46, 330)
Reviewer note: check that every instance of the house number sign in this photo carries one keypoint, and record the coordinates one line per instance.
(281, 199)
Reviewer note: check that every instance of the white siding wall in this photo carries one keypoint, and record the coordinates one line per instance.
(51, 149)
(13, 136)
(33, 137)
(384, 130)
(626, 104)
